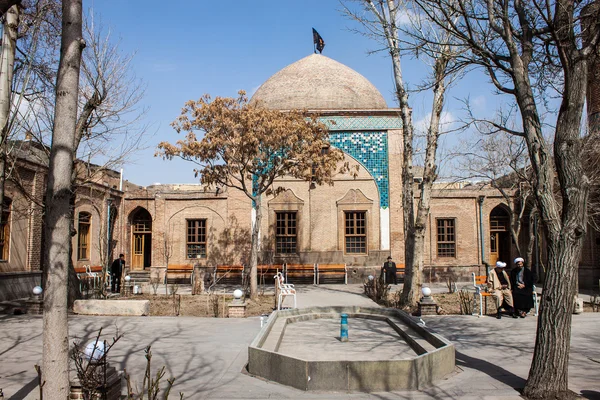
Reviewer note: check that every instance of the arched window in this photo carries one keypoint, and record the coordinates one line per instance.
(5, 230)
(83, 236)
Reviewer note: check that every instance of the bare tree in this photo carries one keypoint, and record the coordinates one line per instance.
(7, 60)
(532, 51)
(381, 20)
(58, 216)
(109, 100)
(501, 161)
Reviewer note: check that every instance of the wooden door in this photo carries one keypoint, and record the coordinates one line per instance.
(137, 259)
(494, 247)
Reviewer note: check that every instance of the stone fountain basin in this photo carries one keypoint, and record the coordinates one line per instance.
(387, 350)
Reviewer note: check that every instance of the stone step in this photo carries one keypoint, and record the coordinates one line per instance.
(139, 276)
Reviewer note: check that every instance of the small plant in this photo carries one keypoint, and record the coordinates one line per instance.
(173, 289)
(214, 303)
(90, 365)
(151, 385)
(91, 372)
(466, 302)
(451, 284)
(155, 282)
(377, 290)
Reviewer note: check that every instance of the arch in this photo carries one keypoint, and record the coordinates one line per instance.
(140, 221)
(499, 234)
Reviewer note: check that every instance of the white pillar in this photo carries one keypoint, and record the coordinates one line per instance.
(384, 226)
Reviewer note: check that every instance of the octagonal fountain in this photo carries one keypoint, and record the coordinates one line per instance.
(387, 350)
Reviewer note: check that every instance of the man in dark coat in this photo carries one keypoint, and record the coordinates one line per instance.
(116, 269)
(522, 281)
(389, 269)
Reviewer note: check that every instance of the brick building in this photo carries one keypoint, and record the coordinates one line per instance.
(357, 221)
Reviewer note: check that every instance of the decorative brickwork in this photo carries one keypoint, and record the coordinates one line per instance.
(237, 310)
(35, 305)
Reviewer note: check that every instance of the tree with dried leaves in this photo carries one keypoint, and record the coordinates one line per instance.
(58, 216)
(532, 51)
(247, 147)
(381, 20)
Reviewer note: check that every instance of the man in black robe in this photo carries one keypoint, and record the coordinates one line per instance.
(522, 281)
(116, 269)
(389, 269)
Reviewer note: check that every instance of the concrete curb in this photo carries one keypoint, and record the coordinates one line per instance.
(130, 308)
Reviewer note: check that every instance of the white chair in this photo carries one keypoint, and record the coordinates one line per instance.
(536, 302)
(284, 290)
(480, 284)
(94, 275)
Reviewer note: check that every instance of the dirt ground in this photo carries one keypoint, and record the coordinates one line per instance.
(449, 303)
(202, 305)
(217, 305)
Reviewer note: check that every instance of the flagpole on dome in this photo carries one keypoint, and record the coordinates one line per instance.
(318, 41)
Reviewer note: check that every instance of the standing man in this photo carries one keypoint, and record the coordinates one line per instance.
(116, 269)
(499, 284)
(522, 280)
(389, 269)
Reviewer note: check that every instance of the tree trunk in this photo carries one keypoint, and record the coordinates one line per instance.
(411, 278)
(415, 239)
(548, 376)
(57, 219)
(7, 61)
(254, 250)
(565, 224)
(531, 244)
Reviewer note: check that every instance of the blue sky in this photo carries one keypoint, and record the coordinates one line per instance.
(188, 48)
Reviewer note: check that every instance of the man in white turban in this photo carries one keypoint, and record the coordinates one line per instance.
(499, 285)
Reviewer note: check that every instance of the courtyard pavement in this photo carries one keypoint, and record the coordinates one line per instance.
(207, 355)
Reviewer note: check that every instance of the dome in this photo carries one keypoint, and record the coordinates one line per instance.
(317, 82)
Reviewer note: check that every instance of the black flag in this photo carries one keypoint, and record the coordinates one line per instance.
(318, 41)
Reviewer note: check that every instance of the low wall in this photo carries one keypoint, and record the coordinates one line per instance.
(421, 371)
(112, 307)
(18, 285)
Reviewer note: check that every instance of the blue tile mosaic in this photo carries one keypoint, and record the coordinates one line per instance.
(371, 150)
(339, 123)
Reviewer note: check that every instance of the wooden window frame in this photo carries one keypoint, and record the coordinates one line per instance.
(446, 241)
(351, 231)
(84, 228)
(196, 243)
(286, 234)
